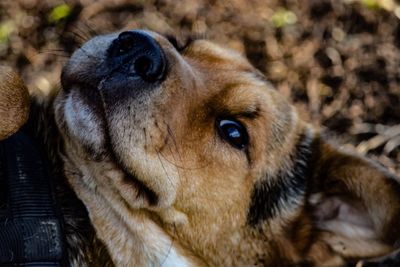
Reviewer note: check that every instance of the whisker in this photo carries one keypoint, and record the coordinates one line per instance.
(57, 52)
(76, 36)
(183, 167)
(54, 54)
(145, 138)
(54, 50)
(170, 247)
(163, 167)
(61, 56)
(78, 29)
(92, 31)
(171, 134)
(95, 57)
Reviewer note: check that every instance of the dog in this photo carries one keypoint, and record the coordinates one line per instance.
(185, 155)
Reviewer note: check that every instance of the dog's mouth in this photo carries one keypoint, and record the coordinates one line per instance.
(103, 151)
(144, 194)
(86, 121)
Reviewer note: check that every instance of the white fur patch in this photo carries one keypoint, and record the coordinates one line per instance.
(82, 122)
(174, 260)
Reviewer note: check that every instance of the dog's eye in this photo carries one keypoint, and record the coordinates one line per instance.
(233, 132)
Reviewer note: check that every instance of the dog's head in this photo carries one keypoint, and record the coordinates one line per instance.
(193, 143)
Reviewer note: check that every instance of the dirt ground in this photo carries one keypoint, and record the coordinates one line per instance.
(338, 61)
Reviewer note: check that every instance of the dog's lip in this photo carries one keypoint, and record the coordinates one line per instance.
(144, 193)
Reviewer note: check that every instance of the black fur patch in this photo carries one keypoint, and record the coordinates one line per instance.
(270, 195)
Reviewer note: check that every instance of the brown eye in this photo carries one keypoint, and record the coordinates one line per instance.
(233, 132)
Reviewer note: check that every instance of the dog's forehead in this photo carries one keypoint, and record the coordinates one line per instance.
(217, 57)
(227, 73)
(239, 93)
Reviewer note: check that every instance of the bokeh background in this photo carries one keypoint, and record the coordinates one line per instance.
(338, 61)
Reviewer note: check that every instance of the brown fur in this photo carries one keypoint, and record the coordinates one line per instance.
(14, 102)
(163, 189)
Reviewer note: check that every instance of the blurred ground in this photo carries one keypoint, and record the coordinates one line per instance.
(338, 61)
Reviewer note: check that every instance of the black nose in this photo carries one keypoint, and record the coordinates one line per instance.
(138, 54)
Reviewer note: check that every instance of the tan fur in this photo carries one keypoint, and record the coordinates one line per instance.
(166, 142)
(14, 102)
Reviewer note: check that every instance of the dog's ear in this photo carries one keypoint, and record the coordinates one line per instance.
(355, 204)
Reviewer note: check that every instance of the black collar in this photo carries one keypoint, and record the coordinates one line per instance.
(30, 224)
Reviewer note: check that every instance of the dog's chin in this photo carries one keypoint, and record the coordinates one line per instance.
(84, 126)
(114, 182)
(135, 192)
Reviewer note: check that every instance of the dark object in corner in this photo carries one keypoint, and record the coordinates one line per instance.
(30, 223)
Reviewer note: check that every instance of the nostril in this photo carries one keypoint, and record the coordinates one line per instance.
(143, 67)
(126, 42)
(137, 53)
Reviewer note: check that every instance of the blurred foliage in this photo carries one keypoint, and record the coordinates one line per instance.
(283, 17)
(6, 28)
(59, 12)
